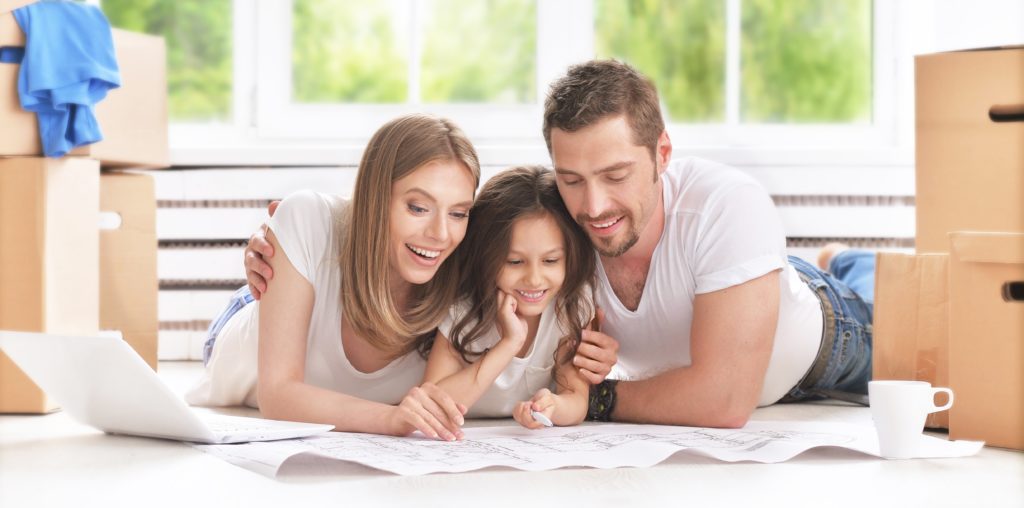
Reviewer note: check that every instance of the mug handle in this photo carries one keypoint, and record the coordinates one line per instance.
(949, 403)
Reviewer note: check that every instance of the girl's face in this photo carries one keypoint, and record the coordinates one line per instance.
(429, 214)
(534, 269)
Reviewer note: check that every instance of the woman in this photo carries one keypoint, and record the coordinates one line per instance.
(360, 284)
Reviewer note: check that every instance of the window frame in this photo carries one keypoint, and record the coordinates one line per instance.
(266, 128)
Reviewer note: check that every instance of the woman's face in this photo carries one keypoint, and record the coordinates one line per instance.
(534, 269)
(429, 215)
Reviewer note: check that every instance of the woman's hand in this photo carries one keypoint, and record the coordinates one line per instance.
(543, 402)
(430, 410)
(511, 326)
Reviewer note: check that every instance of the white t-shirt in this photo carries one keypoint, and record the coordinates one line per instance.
(523, 376)
(305, 227)
(721, 230)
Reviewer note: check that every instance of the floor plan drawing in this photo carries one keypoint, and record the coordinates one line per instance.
(601, 446)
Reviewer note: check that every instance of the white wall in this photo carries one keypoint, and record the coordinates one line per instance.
(961, 24)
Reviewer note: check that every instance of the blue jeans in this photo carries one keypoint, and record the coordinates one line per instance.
(843, 364)
(239, 299)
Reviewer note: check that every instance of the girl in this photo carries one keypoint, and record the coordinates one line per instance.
(359, 284)
(525, 298)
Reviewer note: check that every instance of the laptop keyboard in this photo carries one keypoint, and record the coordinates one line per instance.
(237, 424)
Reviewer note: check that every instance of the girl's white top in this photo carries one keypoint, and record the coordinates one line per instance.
(523, 376)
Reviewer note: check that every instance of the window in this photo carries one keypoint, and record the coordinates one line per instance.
(297, 76)
(802, 61)
(199, 51)
(394, 52)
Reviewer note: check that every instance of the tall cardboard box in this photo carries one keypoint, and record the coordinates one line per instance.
(911, 321)
(133, 118)
(128, 279)
(986, 337)
(970, 144)
(49, 259)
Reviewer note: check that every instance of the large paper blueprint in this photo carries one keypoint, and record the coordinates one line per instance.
(599, 446)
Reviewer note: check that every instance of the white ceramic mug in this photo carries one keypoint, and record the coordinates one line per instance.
(900, 409)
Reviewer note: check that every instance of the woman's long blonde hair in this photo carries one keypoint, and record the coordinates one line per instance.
(397, 149)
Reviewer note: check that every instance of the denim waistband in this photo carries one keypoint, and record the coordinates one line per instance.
(828, 331)
(828, 336)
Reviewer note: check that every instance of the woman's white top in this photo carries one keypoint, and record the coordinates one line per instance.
(306, 227)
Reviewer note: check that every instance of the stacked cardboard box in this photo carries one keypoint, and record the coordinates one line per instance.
(133, 118)
(60, 273)
(952, 314)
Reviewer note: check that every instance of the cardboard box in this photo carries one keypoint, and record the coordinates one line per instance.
(128, 277)
(133, 118)
(49, 259)
(970, 144)
(911, 321)
(986, 336)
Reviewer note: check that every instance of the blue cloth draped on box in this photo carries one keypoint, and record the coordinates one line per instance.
(67, 67)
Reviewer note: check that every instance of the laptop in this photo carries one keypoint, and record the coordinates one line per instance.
(104, 383)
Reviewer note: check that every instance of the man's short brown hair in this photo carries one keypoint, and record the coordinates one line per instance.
(595, 90)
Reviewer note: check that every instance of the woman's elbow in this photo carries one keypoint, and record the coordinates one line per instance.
(270, 402)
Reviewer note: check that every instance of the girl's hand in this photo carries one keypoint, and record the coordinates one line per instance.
(511, 326)
(543, 402)
(430, 410)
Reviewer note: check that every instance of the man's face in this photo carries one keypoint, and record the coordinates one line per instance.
(608, 183)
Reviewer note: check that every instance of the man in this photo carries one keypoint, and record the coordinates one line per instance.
(711, 317)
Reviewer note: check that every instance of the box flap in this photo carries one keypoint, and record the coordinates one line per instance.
(966, 50)
(9, 5)
(981, 247)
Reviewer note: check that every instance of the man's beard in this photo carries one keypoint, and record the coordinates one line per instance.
(609, 252)
(601, 245)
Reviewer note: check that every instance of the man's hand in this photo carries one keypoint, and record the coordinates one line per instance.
(257, 271)
(597, 353)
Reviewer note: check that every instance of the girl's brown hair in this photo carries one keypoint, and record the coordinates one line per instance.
(514, 194)
(400, 147)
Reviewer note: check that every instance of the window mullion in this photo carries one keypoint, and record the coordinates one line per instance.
(415, 50)
(565, 36)
(244, 89)
(733, 39)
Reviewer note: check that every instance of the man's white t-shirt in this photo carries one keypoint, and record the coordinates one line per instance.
(305, 225)
(523, 376)
(721, 230)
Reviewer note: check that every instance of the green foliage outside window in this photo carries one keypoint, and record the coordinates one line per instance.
(800, 60)
(680, 45)
(199, 55)
(806, 61)
(351, 52)
(479, 51)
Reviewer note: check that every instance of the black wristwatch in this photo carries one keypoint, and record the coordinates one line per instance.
(602, 401)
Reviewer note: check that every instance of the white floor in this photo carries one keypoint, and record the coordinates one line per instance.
(53, 461)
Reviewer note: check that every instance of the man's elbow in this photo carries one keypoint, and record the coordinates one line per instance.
(733, 420)
(732, 415)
